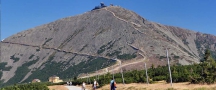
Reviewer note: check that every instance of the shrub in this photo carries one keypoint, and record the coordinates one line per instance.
(30, 86)
(2, 66)
(14, 58)
(126, 56)
(31, 56)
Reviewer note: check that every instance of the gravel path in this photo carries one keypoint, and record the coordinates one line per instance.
(73, 88)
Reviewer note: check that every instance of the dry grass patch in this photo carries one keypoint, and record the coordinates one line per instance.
(161, 86)
(57, 87)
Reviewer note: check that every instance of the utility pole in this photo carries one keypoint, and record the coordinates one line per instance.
(96, 74)
(98, 77)
(169, 67)
(87, 78)
(146, 74)
(113, 72)
(122, 74)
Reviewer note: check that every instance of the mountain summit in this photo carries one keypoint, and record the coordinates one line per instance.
(97, 39)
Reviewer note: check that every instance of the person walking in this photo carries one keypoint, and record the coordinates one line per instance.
(70, 83)
(83, 86)
(112, 85)
(95, 84)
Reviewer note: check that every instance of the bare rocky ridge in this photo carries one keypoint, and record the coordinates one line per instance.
(106, 33)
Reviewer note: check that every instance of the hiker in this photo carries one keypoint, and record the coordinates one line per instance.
(83, 86)
(112, 84)
(67, 83)
(70, 83)
(95, 84)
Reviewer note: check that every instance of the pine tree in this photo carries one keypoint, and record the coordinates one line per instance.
(207, 54)
(209, 68)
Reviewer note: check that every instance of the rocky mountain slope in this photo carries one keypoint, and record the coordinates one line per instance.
(73, 45)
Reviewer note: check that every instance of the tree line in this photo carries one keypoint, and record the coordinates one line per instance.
(202, 73)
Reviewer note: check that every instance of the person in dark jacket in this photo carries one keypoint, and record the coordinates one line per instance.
(112, 84)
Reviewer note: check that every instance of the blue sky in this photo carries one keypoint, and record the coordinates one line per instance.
(196, 15)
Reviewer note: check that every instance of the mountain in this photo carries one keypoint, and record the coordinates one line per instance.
(79, 44)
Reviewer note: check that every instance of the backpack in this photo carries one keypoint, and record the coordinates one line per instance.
(115, 85)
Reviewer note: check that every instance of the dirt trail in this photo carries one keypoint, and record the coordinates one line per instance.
(138, 25)
(113, 68)
(56, 49)
(115, 15)
(122, 19)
